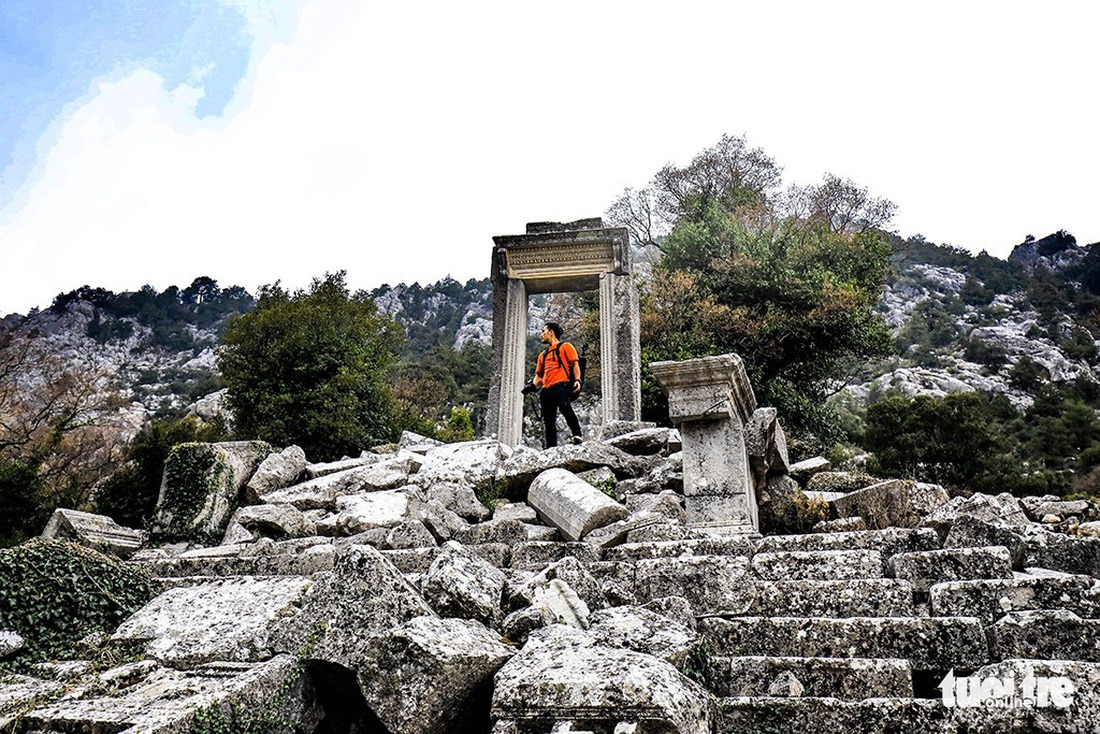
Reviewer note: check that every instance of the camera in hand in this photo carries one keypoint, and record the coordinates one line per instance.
(529, 388)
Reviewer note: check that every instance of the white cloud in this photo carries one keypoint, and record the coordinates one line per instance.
(393, 140)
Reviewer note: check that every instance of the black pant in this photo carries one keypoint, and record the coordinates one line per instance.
(558, 396)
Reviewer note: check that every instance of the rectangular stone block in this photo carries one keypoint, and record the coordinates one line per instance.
(832, 564)
(852, 598)
(889, 541)
(1045, 634)
(729, 547)
(766, 715)
(849, 679)
(928, 643)
(894, 503)
(711, 584)
(925, 568)
(98, 532)
(991, 599)
(537, 555)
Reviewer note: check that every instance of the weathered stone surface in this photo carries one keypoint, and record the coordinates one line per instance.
(676, 608)
(411, 560)
(521, 469)
(767, 714)
(849, 679)
(1045, 634)
(536, 555)
(413, 441)
(618, 532)
(731, 546)
(461, 584)
(166, 700)
(20, 692)
(236, 534)
(572, 505)
(639, 629)
(766, 444)
(1040, 507)
(991, 599)
(498, 554)
(360, 512)
(1059, 552)
(430, 675)
(1002, 509)
(712, 584)
(929, 643)
(925, 568)
(314, 471)
(558, 678)
(643, 442)
(968, 531)
(362, 595)
(889, 541)
(221, 619)
(410, 534)
(459, 498)
(840, 525)
(98, 532)
(201, 488)
(835, 564)
(572, 572)
(894, 503)
(509, 532)
(10, 643)
(835, 598)
(275, 521)
(277, 471)
(520, 511)
(541, 533)
(321, 492)
(263, 558)
(839, 481)
(470, 462)
(803, 470)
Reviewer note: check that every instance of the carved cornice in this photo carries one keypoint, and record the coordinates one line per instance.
(560, 260)
(706, 388)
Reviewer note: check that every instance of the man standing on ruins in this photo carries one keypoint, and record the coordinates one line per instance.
(558, 373)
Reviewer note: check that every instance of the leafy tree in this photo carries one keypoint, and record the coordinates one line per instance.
(311, 368)
(789, 282)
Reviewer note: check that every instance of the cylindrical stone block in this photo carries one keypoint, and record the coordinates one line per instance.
(571, 504)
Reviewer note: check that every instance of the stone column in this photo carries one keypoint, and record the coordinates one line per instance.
(513, 370)
(620, 349)
(711, 401)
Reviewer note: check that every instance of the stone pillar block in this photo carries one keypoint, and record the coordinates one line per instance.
(711, 401)
(571, 504)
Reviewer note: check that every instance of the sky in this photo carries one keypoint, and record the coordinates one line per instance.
(255, 141)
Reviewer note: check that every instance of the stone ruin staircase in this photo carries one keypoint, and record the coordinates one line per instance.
(820, 632)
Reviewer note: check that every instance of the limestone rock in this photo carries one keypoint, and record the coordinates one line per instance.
(786, 685)
(362, 595)
(222, 619)
(573, 573)
(925, 568)
(1059, 552)
(315, 471)
(639, 629)
(1002, 509)
(471, 462)
(839, 481)
(321, 492)
(415, 442)
(459, 498)
(277, 471)
(838, 565)
(97, 532)
(805, 469)
(410, 534)
(894, 503)
(10, 643)
(643, 442)
(969, 531)
(429, 675)
(598, 684)
(991, 599)
(461, 584)
(515, 511)
(509, 532)
(712, 584)
(275, 521)
(521, 469)
(360, 512)
(572, 505)
(840, 525)
(201, 487)
(1046, 634)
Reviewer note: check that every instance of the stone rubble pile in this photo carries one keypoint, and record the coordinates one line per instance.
(475, 587)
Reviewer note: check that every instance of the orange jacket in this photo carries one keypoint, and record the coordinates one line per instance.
(556, 365)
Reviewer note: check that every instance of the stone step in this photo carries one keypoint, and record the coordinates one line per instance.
(991, 599)
(847, 598)
(850, 679)
(925, 568)
(537, 555)
(228, 561)
(928, 643)
(731, 546)
(1059, 552)
(818, 565)
(711, 584)
(1045, 634)
(889, 541)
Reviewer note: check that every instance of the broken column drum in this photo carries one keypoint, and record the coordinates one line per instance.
(562, 258)
(711, 401)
